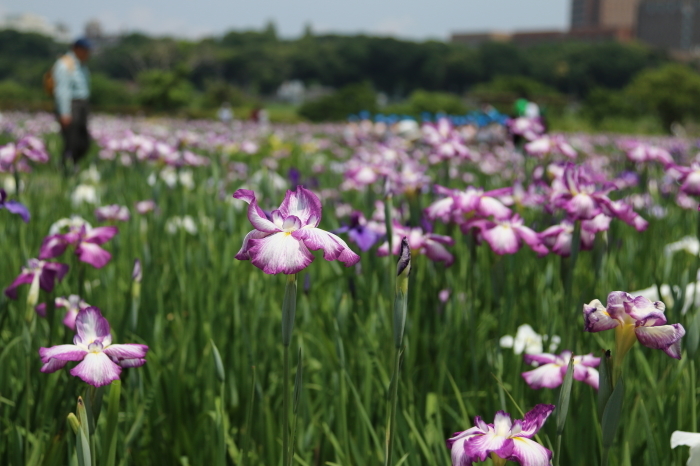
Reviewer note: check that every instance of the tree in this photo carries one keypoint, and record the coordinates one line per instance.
(672, 92)
(164, 90)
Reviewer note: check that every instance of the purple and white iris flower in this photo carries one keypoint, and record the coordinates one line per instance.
(458, 205)
(430, 244)
(37, 274)
(101, 361)
(30, 147)
(504, 440)
(689, 177)
(14, 207)
(550, 145)
(634, 318)
(85, 239)
(552, 368)
(283, 244)
(507, 236)
(113, 212)
(72, 304)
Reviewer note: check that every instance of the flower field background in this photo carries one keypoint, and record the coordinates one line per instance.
(465, 292)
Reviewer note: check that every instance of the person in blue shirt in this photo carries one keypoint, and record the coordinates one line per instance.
(72, 92)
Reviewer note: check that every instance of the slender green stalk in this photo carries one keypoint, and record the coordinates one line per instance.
(394, 400)
(288, 312)
(693, 397)
(403, 269)
(248, 418)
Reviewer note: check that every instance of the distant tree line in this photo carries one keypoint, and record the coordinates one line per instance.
(163, 73)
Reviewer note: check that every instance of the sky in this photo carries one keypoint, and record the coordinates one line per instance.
(412, 19)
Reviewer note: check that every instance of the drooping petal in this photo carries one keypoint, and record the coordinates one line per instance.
(489, 206)
(52, 272)
(52, 365)
(100, 235)
(242, 254)
(22, 279)
(479, 447)
(303, 204)
(126, 351)
(334, 248)
(90, 325)
(438, 253)
(53, 246)
(279, 253)
(596, 317)
(127, 363)
(545, 376)
(646, 312)
(93, 254)
(502, 239)
(456, 446)
(531, 239)
(62, 353)
(535, 419)
(97, 369)
(18, 208)
(587, 375)
(69, 318)
(527, 452)
(663, 337)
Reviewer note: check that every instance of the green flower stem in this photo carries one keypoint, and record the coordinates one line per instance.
(288, 312)
(403, 270)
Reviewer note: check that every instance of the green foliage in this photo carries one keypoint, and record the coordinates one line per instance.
(218, 92)
(163, 90)
(13, 94)
(349, 100)
(107, 93)
(519, 86)
(425, 101)
(672, 92)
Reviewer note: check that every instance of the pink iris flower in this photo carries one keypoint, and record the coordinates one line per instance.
(689, 177)
(546, 145)
(471, 201)
(283, 244)
(507, 236)
(506, 439)
(430, 244)
(552, 368)
(113, 212)
(30, 147)
(101, 361)
(38, 274)
(72, 304)
(86, 241)
(634, 318)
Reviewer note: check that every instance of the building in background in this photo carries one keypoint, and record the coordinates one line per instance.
(670, 24)
(27, 22)
(585, 14)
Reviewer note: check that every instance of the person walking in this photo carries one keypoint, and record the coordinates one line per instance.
(72, 92)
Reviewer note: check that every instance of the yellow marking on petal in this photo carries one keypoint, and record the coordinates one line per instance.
(287, 233)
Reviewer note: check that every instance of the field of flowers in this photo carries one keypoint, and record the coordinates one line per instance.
(226, 295)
